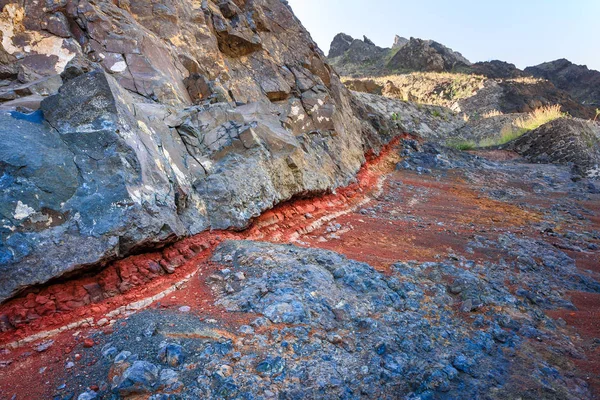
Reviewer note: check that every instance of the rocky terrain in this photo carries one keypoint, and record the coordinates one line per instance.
(582, 83)
(195, 206)
(359, 58)
(558, 81)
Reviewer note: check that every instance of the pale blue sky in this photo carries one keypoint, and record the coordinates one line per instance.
(523, 32)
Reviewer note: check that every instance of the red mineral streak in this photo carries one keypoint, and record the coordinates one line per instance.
(136, 278)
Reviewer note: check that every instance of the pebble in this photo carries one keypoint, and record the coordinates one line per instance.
(122, 356)
(44, 346)
(102, 322)
(225, 371)
(240, 276)
(185, 309)
(171, 354)
(89, 395)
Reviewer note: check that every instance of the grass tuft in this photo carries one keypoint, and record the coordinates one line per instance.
(493, 113)
(463, 145)
(523, 125)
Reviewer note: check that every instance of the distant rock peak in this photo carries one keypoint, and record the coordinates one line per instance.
(399, 41)
(340, 44)
(368, 41)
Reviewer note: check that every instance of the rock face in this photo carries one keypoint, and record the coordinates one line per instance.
(341, 43)
(426, 55)
(563, 141)
(473, 95)
(432, 123)
(355, 57)
(360, 58)
(399, 42)
(175, 117)
(582, 83)
(496, 69)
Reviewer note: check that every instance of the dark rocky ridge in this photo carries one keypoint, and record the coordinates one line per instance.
(358, 58)
(173, 119)
(581, 82)
(351, 56)
(426, 55)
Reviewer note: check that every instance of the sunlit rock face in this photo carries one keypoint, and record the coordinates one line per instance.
(130, 124)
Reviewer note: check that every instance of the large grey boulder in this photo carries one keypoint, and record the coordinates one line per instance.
(174, 118)
(103, 175)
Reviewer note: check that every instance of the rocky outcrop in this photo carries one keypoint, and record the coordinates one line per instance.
(582, 83)
(341, 43)
(174, 118)
(563, 141)
(355, 57)
(527, 95)
(426, 55)
(432, 123)
(399, 42)
(360, 58)
(496, 69)
(473, 95)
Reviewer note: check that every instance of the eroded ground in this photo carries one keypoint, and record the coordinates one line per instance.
(458, 276)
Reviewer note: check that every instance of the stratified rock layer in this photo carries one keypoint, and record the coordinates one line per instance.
(175, 117)
(563, 141)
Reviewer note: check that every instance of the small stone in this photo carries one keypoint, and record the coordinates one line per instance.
(150, 329)
(224, 371)
(109, 351)
(246, 330)
(88, 395)
(44, 346)
(467, 306)
(461, 363)
(168, 377)
(140, 378)
(185, 309)
(271, 366)
(102, 322)
(171, 354)
(122, 356)
(88, 343)
(70, 365)
(240, 276)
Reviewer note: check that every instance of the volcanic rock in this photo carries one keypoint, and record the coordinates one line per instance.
(563, 141)
(355, 57)
(173, 119)
(496, 69)
(582, 83)
(399, 42)
(426, 55)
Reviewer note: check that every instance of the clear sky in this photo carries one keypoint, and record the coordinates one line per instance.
(523, 32)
